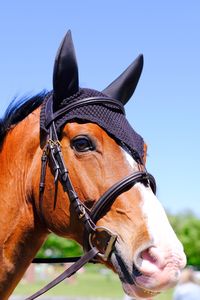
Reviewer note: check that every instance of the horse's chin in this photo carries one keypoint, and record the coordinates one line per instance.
(139, 285)
(135, 291)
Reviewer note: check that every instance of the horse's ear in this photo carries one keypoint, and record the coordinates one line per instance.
(124, 86)
(65, 74)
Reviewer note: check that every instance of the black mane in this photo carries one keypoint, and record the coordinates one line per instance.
(19, 109)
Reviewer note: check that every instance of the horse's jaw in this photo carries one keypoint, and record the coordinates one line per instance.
(151, 283)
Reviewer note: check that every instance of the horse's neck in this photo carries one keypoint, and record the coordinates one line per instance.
(21, 234)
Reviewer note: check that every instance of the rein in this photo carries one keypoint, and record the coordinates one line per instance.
(93, 234)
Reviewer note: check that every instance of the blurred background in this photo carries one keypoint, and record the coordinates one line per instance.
(165, 109)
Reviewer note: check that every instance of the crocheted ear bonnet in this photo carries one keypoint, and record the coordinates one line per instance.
(107, 114)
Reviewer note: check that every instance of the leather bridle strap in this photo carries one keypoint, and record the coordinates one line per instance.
(53, 154)
(106, 200)
(53, 116)
(67, 273)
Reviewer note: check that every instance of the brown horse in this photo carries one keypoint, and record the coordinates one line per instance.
(99, 149)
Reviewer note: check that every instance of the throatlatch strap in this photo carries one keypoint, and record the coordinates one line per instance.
(67, 273)
(55, 260)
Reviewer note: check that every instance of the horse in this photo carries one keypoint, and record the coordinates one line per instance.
(91, 184)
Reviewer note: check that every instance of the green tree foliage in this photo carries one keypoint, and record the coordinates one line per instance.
(187, 228)
(56, 246)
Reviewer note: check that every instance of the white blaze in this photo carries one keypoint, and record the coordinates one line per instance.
(159, 228)
(158, 225)
(131, 161)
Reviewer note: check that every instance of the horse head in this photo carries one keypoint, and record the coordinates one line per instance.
(93, 186)
(100, 149)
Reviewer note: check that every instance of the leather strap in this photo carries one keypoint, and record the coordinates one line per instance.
(112, 193)
(106, 200)
(55, 260)
(67, 273)
(53, 116)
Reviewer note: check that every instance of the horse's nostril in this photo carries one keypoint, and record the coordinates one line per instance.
(148, 260)
(148, 256)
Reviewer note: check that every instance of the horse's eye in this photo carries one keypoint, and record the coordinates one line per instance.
(82, 144)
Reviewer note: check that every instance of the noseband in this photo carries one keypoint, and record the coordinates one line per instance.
(98, 242)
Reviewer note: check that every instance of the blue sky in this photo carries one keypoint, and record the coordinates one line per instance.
(108, 35)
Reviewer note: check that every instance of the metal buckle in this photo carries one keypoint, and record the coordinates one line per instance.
(82, 212)
(53, 143)
(109, 244)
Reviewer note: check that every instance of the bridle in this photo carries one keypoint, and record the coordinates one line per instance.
(93, 234)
